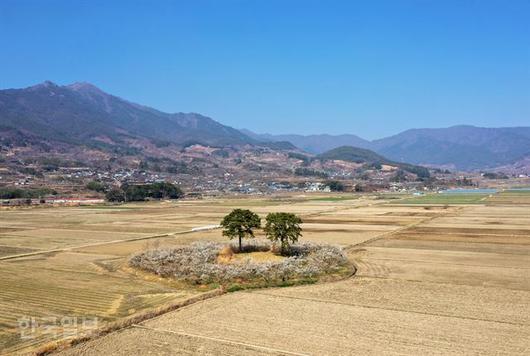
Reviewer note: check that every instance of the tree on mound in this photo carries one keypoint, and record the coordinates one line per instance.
(283, 227)
(240, 223)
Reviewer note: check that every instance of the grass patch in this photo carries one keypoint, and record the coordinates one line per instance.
(334, 199)
(111, 207)
(510, 197)
(235, 287)
(473, 198)
(391, 196)
(525, 191)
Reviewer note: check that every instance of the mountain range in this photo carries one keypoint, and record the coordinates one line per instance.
(82, 114)
(461, 147)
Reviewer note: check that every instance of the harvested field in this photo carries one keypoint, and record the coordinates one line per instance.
(441, 281)
(303, 325)
(446, 198)
(167, 343)
(72, 285)
(431, 279)
(77, 266)
(510, 197)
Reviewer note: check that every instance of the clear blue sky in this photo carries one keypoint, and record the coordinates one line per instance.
(371, 68)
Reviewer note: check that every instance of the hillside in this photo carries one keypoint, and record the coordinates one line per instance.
(83, 114)
(461, 147)
(457, 147)
(353, 154)
(315, 144)
(361, 155)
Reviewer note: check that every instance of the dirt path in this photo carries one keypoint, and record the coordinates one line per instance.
(72, 248)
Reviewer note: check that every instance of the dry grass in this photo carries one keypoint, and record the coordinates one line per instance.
(88, 279)
(457, 284)
(227, 255)
(55, 346)
(267, 256)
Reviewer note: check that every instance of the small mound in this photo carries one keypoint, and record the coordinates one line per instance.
(211, 262)
(225, 255)
(255, 252)
(267, 256)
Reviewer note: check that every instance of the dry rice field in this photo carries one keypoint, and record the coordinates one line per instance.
(431, 279)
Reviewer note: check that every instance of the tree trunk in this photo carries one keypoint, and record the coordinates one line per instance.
(240, 247)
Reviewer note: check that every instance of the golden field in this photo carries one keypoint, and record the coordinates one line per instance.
(431, 279)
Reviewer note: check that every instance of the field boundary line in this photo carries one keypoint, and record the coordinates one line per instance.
(442, 249)
(111, 327)
(444, 263)
(443, 283)
(369, 203)
(316, 300)
(390, 233)
(227, 341)
(169, 234)
(102, 243)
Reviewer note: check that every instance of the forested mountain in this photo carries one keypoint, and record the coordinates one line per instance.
(462, 147)
(80, 113)
(459, 147)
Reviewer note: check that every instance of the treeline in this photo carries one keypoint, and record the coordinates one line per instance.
(335, 185)
(420, 171)
(491, 175)
(143, 192)
(17, 193)
(308, 172)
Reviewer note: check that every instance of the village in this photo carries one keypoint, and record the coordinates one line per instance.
(210, 175)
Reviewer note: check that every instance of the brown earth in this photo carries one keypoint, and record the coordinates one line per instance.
(442, 280)
(413, 294)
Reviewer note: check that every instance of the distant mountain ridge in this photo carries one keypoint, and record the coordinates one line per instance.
(314, 144)
(81, 113)
(462, 147)
(362, 155)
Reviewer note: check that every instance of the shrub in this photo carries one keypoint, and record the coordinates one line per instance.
(198, 263)
(96, 186)
(335, 185)
(115, 195)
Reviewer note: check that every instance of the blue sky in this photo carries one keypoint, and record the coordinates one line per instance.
(371, 68)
